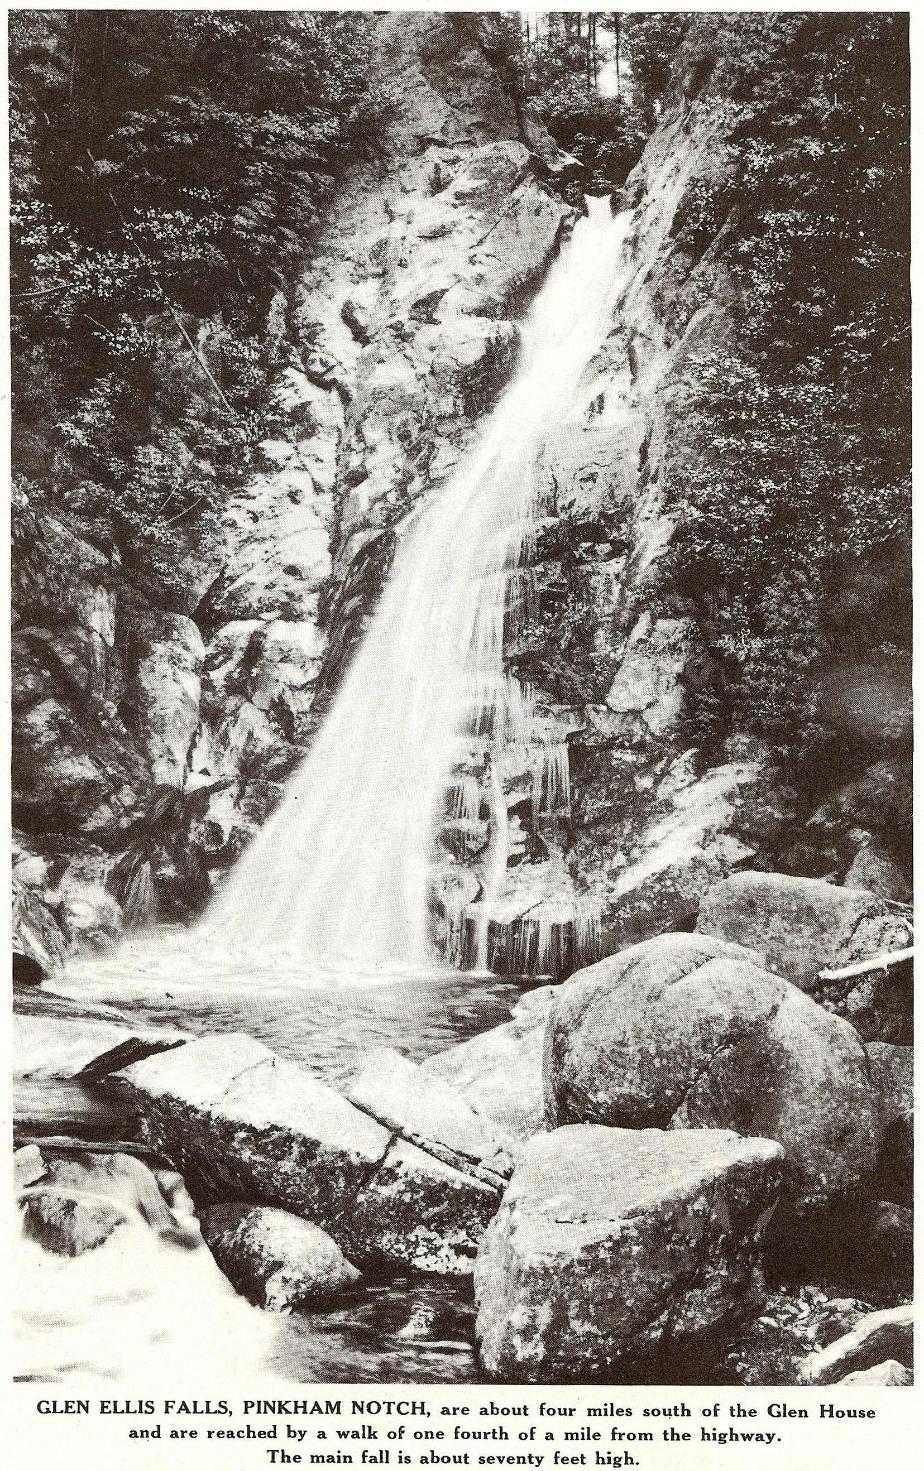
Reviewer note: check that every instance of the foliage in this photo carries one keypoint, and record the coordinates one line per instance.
(554, 62)
(793, 452)
(167, 170)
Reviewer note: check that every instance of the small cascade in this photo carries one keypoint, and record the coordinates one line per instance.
(428, 739)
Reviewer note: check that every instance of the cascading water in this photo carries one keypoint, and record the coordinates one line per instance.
(342, 872)
(427, 730)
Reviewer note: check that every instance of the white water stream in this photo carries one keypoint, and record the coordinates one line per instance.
(339, 880)
(342, 871)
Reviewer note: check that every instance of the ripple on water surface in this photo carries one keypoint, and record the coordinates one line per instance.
(402, 1331)
(326, 1021)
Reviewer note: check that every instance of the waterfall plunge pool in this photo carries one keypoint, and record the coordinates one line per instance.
(125, 1307)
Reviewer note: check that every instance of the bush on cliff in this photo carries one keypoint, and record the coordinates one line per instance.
(793, 459)
(166, 167)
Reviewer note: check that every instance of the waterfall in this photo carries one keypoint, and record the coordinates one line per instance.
(341, 873)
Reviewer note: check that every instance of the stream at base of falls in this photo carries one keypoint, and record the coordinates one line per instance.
(142, 1305)
(428, 728)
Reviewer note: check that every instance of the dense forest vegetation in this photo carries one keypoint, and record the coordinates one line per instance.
(793, 466)
(167, 169)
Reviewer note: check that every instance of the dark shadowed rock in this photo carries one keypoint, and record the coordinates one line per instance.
(615, 1244)
(881, 1004)
(499, 1072)
(875, 871)
(39, 943)
(800, 926)
(885, 1253)
(239, 1120)
(892, 1071)
(683, 1031)
(276, 1259)
(877, 1337)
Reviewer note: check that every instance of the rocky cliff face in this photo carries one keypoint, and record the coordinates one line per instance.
(399, 338)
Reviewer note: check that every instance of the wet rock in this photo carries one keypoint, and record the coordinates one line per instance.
(39, 943)
(800, 926)
(276, 1259)
(600, 1228)
(82, 1198)
(240, 1121)
(878, 1336)
(499, 1072)
(61, 1222)
(890, 1373)
(90, 917)
(687, 1032)
(426, 1110)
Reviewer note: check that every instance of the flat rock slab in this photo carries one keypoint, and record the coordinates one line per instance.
(276, 1259)
(58, 1047)
(612, 1245)
(426, 1110)
(877, 1337)
(246, 1124)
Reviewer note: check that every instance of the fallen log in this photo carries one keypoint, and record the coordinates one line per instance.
(863, 967)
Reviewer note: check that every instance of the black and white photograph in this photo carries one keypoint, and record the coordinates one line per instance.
(461, 710)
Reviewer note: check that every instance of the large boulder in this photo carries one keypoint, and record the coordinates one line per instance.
(684, 1031)
(878, 1336)
(242, 1122)
(613, 1245)
(801, 926)
(889, 1373)
(878, 873)
(276, 1259)
(499, 1072)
